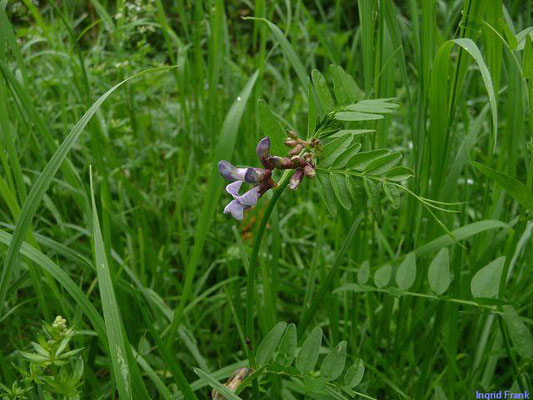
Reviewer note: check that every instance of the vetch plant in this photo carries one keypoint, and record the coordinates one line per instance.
(345, 175)
(301, 370)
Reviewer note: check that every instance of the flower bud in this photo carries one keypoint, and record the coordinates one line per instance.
(309, 171)
(292, 134)
(296, 160)
(296, 149)
(296, 179)
(263, 152)
(59, 323)
(281, 162)
(290, 142)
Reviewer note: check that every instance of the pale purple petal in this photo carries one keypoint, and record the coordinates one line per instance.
(236, 209)
(250, 197)
(231, 172)
(233, 188)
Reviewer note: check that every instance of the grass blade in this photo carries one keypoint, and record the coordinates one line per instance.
(42, 183)
(113, 325)
(171, 362)
(216, 385)
(226, 143)
(515, 188)
(64, 280)
(325, 285)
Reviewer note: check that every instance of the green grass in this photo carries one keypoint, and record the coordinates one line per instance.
(169, 295)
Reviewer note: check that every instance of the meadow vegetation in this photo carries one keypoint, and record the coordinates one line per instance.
(399, 268)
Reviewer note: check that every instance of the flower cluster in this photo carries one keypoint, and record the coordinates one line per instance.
(261, 177)
(299, 160)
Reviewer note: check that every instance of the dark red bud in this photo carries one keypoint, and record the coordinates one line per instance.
(290, 142)
(282, 162)
(292, 134)
(296, 150)
(309, 171)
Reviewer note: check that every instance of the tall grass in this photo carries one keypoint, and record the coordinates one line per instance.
(186, 294)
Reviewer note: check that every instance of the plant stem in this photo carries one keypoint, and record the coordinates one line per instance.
(250, 287)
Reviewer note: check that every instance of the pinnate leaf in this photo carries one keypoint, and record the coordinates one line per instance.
(287, 347)
(486, 281)
(338, 183)
(406, 274)
(322, 91)
(355, 373)
(364, 273)
(382, 276)
(334, 149)
(353, 116)
(399, 173)
(376, 106)
(392, 193)
(346, 156)
(308, 354)
(326, 192)
(269, 344)
(374, 195)
(439, 272)
(361, 160)
(333, 365)
(383, 164)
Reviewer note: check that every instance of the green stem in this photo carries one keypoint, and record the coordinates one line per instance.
(250, 287)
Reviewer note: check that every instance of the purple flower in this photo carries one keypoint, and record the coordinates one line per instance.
(240, 203)
(259, 176)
